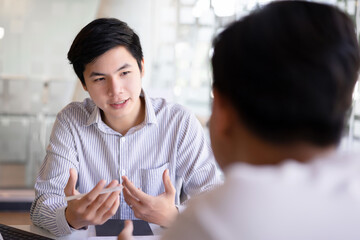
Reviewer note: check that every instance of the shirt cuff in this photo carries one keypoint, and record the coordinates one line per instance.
(62, 225)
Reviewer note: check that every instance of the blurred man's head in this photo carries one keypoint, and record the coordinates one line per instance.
(288, 71)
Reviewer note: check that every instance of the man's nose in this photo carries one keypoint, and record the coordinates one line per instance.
(114, 86)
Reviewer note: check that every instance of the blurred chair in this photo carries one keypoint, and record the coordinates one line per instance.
(28, 108)
(20, 95)
(57, 94)
(41, 127)
(14, 132)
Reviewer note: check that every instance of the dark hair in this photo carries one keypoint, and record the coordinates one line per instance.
(98, 37)
(289, 69)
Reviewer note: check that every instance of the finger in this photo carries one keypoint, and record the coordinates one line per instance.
(126, 233)
(103, 197)
(69, 189)
(111, 212)
(169, 187)
(88, 199)
(135, 192)
(113, 183)
(129, 199)
(108, 204)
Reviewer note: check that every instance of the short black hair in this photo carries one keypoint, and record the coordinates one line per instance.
(99, 36)
(289, 69)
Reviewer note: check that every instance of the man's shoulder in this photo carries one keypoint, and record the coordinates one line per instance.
(78, 110)
(163, 106)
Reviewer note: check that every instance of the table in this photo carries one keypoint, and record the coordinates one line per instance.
(87, 234)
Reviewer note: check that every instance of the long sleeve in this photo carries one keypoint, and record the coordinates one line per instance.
(48, 209)
(196, 165)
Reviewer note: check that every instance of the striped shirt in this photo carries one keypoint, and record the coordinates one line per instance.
(169, 138)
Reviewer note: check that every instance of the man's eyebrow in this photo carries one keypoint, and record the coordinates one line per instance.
(92, 74)
(126, 65)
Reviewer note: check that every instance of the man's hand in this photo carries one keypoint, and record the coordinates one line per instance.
(126, 233)
(93, 208)
(160, 210)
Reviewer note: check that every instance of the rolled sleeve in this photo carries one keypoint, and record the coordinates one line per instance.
(61, 223)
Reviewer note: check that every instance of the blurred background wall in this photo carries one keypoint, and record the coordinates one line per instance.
(36, 80)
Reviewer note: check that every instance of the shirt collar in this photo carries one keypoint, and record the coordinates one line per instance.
(150, 117)
(95, 116)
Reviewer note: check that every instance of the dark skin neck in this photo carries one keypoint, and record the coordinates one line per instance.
(257, 151)
(270, 154)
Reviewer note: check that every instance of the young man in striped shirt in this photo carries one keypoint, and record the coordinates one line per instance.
(160, 147)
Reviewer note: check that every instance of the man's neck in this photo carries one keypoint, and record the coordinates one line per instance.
(275, 154)
(123, 125)
(244, 146)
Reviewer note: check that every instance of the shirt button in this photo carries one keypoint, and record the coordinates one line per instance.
(123, 139)
(123, 172)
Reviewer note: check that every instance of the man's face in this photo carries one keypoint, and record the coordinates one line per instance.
(226, 131)
(113, 81)
(216, 133)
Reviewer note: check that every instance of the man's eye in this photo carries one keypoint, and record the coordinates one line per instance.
(125, 73)
(99, 79)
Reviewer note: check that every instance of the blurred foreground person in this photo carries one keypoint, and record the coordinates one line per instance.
(283, 82)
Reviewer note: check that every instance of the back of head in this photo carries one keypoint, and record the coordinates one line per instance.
(289, 69)
(100, 36)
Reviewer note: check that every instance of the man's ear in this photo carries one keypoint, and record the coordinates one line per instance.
(224, 113)
(142, 68)
(84, 86)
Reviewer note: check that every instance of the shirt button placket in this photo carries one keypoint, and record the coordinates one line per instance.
(122, 172)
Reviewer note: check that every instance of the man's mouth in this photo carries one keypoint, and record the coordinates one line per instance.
(119, 103)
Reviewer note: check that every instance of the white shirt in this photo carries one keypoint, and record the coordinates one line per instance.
(319, 200)
(170, 137)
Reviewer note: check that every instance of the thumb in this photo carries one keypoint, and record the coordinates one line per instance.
(70, 186)
(126, 233)
(169, 187)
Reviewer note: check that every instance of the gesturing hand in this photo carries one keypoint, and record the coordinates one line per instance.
(92, 209)
(160, 210)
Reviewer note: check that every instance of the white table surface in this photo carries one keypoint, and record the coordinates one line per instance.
(87, 234)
